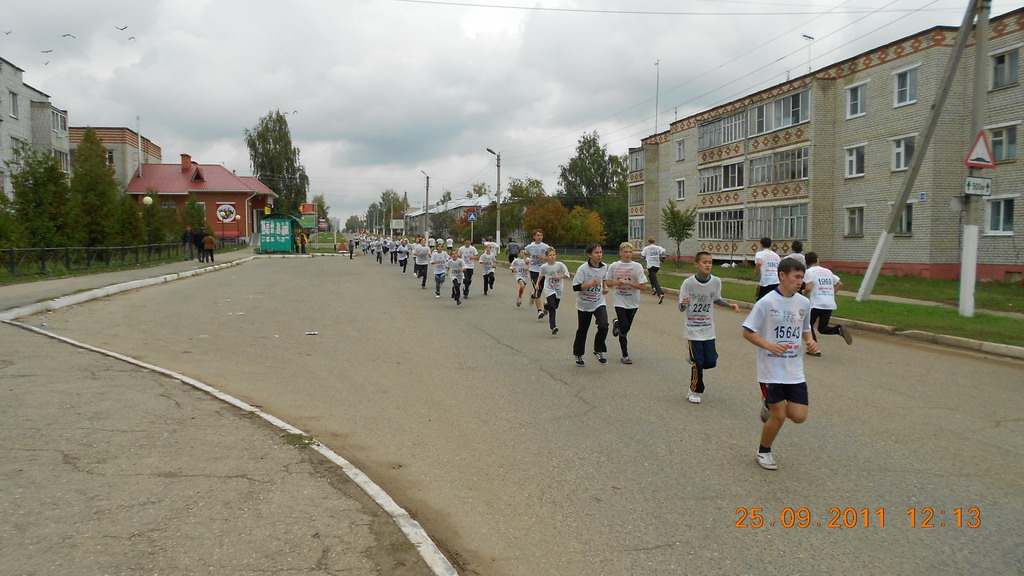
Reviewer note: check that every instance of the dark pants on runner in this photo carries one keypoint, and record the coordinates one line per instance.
(403, 262)
(600, 316)
(822, 317)
(551, 305)
(625, 318)
(488, 282)
(652, 273)
(455, 290)
(467, 279)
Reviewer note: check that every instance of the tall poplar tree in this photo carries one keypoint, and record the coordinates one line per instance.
(41, 199)
(94, 194)
(275, 161)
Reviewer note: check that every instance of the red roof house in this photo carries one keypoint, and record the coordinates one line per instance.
(233, 203)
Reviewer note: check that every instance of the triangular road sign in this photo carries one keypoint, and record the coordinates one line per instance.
(980, 155)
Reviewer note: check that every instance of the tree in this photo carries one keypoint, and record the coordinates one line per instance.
(589, 174)
(11, 233)
(193, 214)
(275, 161)
(614, 207)
(93, 193)
(583, 227)
(41, 204)
(354, 223)
(678, 224)
(128, 227)
(551, 216)
(322, 209)
(157, 221)
(520, 195)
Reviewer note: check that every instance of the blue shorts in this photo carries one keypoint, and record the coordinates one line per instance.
(795, 393)
(703, 353)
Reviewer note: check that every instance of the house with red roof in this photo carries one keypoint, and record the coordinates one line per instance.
(233, 204)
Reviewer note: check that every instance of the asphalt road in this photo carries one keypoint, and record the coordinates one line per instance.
(516, 462)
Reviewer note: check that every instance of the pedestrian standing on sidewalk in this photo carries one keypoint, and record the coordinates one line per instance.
(820, 286)
(188, 242)
(550, 282)
(780, 326)
(629, 279)
(654, 255)
(209, 245)
(698, 296)
(200, 246)
(588, 283)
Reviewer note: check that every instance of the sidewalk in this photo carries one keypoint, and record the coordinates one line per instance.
(113, 467)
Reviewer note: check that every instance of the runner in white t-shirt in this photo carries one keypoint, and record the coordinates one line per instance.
(780, 326)
(654, 255)
(535, 252)
(766, 265)
(821, 285)
(487, 262)
(698, 296)
(627, 279)
(589, 285)
(549, 283)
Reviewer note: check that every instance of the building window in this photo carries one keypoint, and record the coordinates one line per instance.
(733, 176)
(680, 150)
(906, 224)
(110, 157)
(64, 159)
(760, 171)
(13, 98)
(791, 165)
(855, 221)
(1004, 69)
(906, 87)
(855, 161)
(999, 216)
(636, 160)
(709, 135)
(785, 111)
(636, 194)
(636, 228)
(902, 152)
(734, 127)
(1004, 143)
(720, 225)
(16, 150)
(58, 121)
(777, 222)
(856, 100)
(710, 179)
(681, 189)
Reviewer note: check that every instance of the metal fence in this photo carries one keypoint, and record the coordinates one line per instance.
(26, 261)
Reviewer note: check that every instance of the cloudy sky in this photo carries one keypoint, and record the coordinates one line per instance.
(377, 91)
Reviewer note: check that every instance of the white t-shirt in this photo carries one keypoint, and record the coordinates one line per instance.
(487, 262)
(626, 296)
(823, 287)
(468, 254)
(403, 251)
(652, 255)
(700, 313)
(422, 254)
(439, 260)
(521, 269)
(551, 285)
(590, 299)
(456, 267)
(536, 252)
(769, 266)
(798, 257)
(780, 319)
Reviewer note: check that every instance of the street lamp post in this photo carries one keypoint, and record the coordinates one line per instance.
(497, 200)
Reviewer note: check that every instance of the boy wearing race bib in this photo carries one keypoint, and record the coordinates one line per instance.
(698, 296)
(780, 326)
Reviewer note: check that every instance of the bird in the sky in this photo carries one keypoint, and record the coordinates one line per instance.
(46, 51)
(8, 32)
(121, 28)
(47, 63)
(69, 36)
(131, 37)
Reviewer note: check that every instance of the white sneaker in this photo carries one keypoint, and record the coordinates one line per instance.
(693, 397)
(766, 460)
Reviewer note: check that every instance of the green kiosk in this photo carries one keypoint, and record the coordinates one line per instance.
(278, 232)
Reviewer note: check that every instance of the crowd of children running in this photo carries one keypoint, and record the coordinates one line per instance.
(779, 325)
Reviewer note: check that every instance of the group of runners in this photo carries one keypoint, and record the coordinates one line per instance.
(779, 324)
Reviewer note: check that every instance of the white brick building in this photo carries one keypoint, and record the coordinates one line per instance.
(821, 158)
(28, 117)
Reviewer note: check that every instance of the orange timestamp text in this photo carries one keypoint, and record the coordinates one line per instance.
(850, 517)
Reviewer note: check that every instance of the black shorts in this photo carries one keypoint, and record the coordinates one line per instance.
(795, 393)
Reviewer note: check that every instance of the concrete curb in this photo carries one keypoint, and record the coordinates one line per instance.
(414, 532)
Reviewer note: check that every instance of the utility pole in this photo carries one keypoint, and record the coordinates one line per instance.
(969, 257)
(426, 210)
(877, 259)
(497, 199)
(657, 89)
